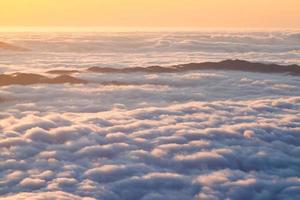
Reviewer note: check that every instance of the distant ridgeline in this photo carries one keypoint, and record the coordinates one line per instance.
(237, 65)
(29, 79)
(10, 47)
(64, 76)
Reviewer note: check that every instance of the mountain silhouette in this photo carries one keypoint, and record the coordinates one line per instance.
(236, 65)
(10, 47)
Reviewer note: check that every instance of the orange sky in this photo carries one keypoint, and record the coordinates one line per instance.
(152, 13)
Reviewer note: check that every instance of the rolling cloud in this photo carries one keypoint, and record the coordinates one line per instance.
(122, 116)
(69, 51)
(206, 134)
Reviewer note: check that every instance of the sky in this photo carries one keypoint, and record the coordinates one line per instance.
(154, 13)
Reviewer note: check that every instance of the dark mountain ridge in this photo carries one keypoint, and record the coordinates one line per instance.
(64, 77)
(29, 79)
(236, 65)
(10, 47)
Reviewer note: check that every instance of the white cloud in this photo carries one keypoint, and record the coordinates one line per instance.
(47, 195)
(216, 135)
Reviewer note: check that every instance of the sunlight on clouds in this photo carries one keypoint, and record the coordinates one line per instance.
(104, 144)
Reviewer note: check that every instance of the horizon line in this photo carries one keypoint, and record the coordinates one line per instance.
(134, 29)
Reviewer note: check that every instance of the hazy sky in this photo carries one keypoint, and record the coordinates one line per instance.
(157, 13)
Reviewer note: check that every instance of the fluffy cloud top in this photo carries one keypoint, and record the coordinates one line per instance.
(195, 135)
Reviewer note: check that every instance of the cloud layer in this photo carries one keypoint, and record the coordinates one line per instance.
(194, 135)
(138, 49)
(241, 149)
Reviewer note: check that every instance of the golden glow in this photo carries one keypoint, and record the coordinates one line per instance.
(152, 13)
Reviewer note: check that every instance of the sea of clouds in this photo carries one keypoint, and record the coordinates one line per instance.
(129, 49)
(202, 135)
(194, 135)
